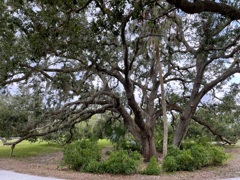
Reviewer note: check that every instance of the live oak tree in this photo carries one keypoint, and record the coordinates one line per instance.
(89, 57)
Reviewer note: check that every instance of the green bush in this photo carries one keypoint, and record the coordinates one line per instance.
(129, 144)
(80, 153)
(173, 151)
(217, 155)
(200, 155)
(203, 141)
(185, 161)
(170, 164)
(182, 161)
(153, 167)
(122, 162)
(94, 167)
(187, 144)
(195, 156)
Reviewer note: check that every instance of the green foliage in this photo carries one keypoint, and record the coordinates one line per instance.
(185, 160)
(116, 132)
(173, 150)
(80, 153)
(200, 155)
(118, 162)
(128, 143)
(153, 167)
(188, 143)
(193, 156)
(85, 156)
(122, 162)
(19, 114)
(221, 117)
(90, 129)
(217, 155)
(94, 167)
(12, 115)
(170, 164)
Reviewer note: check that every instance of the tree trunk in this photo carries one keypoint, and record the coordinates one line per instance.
(148, 146)
(180, 133)
(12, 148)
(183, 125)
(144, 135)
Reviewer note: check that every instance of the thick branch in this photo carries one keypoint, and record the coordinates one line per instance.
(206, 6)
(219, 79)
(84, 115)
(4, 83)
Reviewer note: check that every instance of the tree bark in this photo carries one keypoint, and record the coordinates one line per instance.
(148, 145)
(181, 131)
(144, 136)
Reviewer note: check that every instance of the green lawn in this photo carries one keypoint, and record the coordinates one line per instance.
(103, 143)
(27, 149)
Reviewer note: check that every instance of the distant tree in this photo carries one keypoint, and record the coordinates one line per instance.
(19, 115)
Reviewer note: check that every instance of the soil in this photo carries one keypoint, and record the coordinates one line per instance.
(48, 165)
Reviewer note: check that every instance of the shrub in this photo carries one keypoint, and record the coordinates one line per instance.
(195, 157)
(203, 141)
(185, 161)
(170, 164)
(130, 144)
(187, 144)
(122, 162)
(200, 155)
(153, 167)
(94, 167)
(217, 155)
(80, 153)
(182, 161)
(173, 151)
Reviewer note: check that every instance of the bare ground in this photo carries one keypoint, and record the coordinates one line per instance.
(48, 165)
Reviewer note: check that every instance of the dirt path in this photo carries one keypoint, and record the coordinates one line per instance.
(48, 165)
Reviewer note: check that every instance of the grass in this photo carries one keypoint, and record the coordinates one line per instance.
(103, 143)
(238, 143)
(28, 149)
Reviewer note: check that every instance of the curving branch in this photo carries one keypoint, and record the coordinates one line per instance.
(203, 123)
(214, 132)
(206, 6)
(54, 127)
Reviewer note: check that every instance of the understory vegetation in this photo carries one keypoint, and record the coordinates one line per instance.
(85, 156)
(193, 156)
